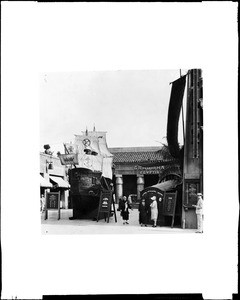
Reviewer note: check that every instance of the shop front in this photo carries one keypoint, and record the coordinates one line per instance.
(53, 178)
(60, 185)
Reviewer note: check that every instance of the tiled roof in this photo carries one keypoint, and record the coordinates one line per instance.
(128, 156)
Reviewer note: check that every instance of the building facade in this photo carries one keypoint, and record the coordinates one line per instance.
(53, 178)
(131, 171)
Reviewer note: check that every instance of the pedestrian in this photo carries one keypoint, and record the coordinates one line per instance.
(119, 204)
(154, 210)
(142, 213)
(199, 213)
(42, 203)
(125, 206)
(130, 199)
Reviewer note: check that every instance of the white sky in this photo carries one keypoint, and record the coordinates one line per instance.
(132, 106)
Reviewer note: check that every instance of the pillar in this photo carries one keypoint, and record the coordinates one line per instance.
(66, 194)
(119, 187)
(140, 185)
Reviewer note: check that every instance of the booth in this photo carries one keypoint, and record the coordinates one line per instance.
(169, 200)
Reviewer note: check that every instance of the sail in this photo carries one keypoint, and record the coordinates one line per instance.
(107, 167)
(107, 156)
(87, 142)
(93, 153)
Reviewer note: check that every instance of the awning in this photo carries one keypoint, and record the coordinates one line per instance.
(166, 185)
(60, 182)
(45, 183)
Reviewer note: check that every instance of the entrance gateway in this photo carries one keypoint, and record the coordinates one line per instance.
(136, 168)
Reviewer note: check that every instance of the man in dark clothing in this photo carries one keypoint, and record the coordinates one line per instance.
(125, 206)
(142, 213)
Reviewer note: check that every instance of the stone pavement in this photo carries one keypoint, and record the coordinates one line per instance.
(65, 226)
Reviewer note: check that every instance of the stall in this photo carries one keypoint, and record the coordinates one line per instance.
(168, 195)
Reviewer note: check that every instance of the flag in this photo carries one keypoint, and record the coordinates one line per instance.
(174, 109)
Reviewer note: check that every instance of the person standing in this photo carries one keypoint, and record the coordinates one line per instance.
(119, 204)
(154, 210)
(42, 203)
(142, 213)
(125, 206)
(199, 213)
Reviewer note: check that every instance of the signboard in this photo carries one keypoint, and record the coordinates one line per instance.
(105, 201)
(105, 205)
(149, 170)
(52, 203)
(192, 187)
(69, 159)
(169, 204)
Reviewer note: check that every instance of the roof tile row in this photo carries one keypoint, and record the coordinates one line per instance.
(128, 157)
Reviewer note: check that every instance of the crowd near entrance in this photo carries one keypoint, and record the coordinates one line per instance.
(132, 176)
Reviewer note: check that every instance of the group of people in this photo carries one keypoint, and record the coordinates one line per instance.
(125, 205)
(143, 211)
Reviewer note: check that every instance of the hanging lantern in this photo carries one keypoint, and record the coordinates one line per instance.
(50, 166)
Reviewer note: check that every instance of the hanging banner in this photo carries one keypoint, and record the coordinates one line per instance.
(175, 104)
(69, 159)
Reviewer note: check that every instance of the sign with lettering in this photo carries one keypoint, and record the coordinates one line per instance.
(105, 201)
(169, 204)
(52, 203)
(52, 200)
(69, 159)
(191, 190)
(149, 170)
(105, 205)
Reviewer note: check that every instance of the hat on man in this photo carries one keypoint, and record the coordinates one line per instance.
(199, 194)
(153, 198)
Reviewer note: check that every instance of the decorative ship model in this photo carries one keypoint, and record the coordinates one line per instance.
(90, 172)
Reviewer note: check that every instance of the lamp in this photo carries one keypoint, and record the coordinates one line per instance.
(49, 165)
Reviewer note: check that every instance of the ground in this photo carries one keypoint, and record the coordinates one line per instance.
(65, 226)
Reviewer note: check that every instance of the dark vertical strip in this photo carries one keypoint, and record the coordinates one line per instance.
(174, 109)
(194, 113)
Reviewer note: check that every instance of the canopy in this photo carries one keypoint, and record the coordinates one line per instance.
(166, 185)
(60, 182)
(45, 183)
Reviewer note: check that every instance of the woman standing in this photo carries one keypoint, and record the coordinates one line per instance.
(142, 213)
(154, 211)
(125, 206)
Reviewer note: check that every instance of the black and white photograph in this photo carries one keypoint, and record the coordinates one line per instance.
(119, 149)
(143, 167)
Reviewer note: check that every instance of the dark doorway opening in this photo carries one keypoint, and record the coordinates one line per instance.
(150, 180)
(129, 185)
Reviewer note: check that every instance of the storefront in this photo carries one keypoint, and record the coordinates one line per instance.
(53, 178)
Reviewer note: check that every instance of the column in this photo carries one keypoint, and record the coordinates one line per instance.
(66, 193)
(119, 187)
(140, 185)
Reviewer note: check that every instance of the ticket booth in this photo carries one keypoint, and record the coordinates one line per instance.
(168, 195)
